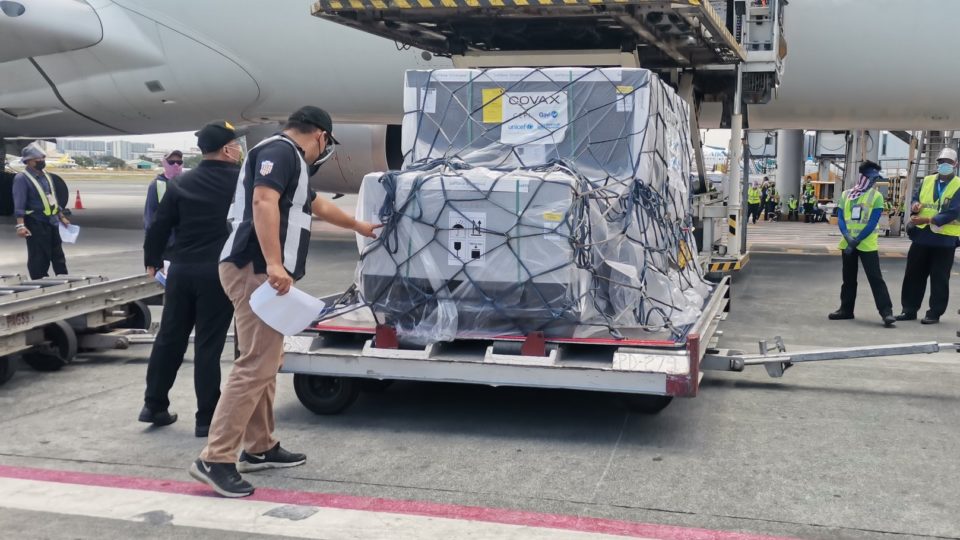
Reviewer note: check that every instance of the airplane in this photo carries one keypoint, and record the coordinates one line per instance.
(113, 67)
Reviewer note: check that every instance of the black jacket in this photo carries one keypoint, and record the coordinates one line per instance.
(195, 208)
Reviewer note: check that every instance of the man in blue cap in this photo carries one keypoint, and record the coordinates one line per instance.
(38, 215)
(858, 214)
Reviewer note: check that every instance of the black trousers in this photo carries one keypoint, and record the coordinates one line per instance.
(43, 248)
(871, 266)
(925, 262)
(753, 211)
(193, 298)
(793, 216)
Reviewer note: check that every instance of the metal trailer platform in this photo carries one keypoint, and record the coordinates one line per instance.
(332, 363)
(48, 320)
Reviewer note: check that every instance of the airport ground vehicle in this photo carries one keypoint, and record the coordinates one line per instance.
(734, 58)
(47, 321)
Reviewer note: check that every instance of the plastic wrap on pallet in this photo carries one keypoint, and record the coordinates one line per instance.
(534, 200)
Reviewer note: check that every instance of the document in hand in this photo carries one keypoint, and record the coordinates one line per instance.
(69, 233)
(288, 314)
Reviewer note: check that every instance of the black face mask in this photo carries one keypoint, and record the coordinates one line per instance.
(40, 165)
(327, 154)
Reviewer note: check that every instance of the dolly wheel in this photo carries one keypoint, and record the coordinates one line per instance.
(646, 403)
(6, 369)
(139, 316)
(59, 349)
(326, 395)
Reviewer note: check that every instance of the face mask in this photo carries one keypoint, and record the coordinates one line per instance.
(40, 165)
(324, 157)
(945, 169)
(172, 171)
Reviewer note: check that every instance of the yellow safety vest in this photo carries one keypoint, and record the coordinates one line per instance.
(161, 189)
(869, 201)
(931, 206)
(792, 203)
(49, 200)
(753, 196)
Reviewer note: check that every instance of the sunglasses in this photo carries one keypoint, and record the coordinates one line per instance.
(174, 162)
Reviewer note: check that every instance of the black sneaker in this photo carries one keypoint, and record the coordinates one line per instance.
(202, 431)
(222, 477)
(159, 418)
(275, 458)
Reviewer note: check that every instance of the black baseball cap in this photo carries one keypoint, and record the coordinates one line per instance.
(315, 116)
(216, 135)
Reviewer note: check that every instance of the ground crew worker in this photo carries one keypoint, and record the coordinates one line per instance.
(769, 206)
(792, 208)
(269, 240)
(809, 204)
(858, 214)
(38, 215)
(764, 195)
(933, 242)
(172, 167)
(753, 203)
(194, 207)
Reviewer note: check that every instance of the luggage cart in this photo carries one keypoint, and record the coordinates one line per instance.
(46, 321)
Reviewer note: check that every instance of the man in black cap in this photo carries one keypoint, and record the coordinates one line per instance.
(270, 218)
(38, 215)
(194, 207)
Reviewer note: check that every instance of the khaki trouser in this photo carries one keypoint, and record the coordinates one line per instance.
(244, 415)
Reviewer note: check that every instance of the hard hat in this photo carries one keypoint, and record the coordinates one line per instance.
(948, 153)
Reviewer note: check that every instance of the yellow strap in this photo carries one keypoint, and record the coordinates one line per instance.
(47, 209)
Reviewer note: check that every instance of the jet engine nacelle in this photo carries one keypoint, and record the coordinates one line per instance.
(363, 149)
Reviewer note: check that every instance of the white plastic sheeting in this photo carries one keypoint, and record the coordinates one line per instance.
(547, 200)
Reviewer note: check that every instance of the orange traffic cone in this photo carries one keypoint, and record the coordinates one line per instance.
(78, 203)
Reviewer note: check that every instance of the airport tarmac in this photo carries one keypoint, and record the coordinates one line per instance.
(859, 449)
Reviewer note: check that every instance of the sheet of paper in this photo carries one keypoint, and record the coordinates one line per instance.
(288, 314)
(69, 233)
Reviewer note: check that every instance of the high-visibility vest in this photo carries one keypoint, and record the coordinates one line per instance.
(49, 200)
(161, 188)
(753, 196)
(930, 205)
(792, 203)
(869, 201)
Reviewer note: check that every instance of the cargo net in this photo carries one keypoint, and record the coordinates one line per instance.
(551, 200)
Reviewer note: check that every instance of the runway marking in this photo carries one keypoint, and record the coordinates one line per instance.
(306, 514)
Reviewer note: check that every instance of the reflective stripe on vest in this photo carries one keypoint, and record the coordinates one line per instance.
(161, 188)
(866, 202)
(49, 200)
(931, 206)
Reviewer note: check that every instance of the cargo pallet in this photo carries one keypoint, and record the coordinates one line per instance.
(47, 321)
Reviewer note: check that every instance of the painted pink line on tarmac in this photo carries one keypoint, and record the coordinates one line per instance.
(392, 506)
